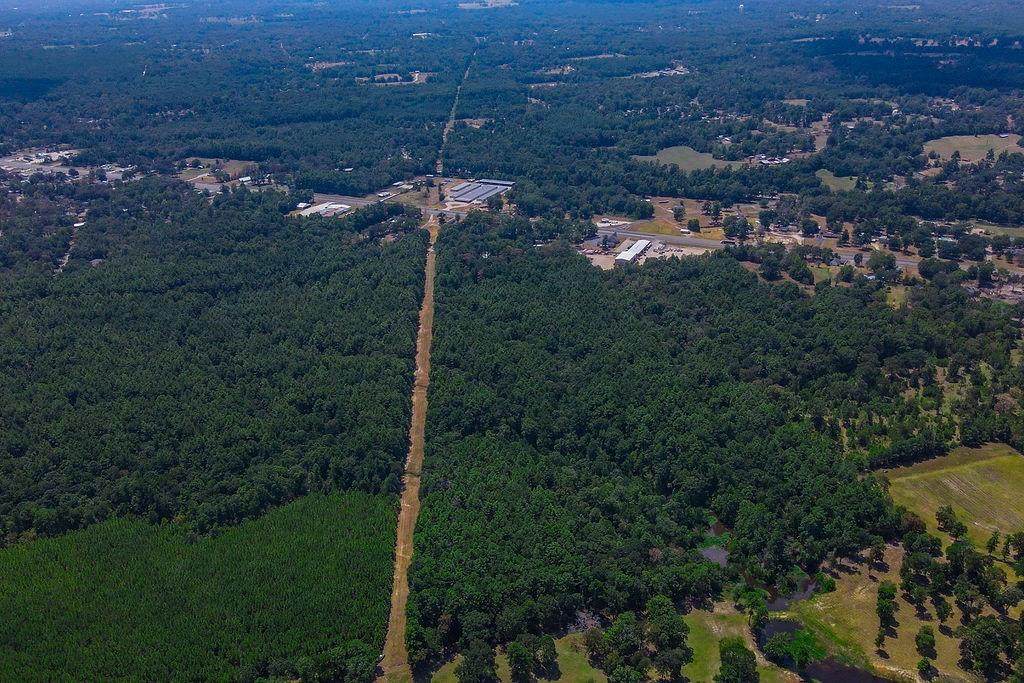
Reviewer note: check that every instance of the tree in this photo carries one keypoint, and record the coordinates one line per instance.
(924, 667)
(883, 265)
(670, 662)
(943, 610)
(693, 225)
(665, 627)
(679, 213)
(494, 203)
(992, 543)
(477, 665)
(982, 645)
(739, 665)
(886, 604)
(547, 655)
(925, 641)
(809, 227)
(624, 636)
(626, 674)
(520, 661)
(767, 218)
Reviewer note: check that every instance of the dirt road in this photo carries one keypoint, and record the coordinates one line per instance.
(450, 124)
(396, 659)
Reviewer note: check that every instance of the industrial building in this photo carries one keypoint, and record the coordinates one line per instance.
(325, 209)
(631, 254)
(476, 191)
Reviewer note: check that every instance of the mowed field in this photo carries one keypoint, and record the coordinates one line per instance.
(985, 486)
(127, 600)
(973, 147)
(686, 158)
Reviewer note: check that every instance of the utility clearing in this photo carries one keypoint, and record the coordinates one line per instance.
(396, 658)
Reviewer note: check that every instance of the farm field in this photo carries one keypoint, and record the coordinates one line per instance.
(973, 147)
(983, 485)
(845, 620)
(686, 158)
(573, 665)
(126, 599)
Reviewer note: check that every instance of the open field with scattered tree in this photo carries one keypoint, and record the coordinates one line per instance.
(846, 621)
(973, 148)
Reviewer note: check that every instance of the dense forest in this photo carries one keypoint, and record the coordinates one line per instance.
(220, 359)
(203, 391)
(585, 427)
(302, 591)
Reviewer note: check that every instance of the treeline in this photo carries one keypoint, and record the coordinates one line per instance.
(221, 359)
(584, 425)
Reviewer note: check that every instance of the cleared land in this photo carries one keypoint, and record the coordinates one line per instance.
(836, 183)
(573, 665)
(706, 629)
(396, 657)
(686, 158)
(983, 485)
(129, 600)
(973, 147)
(846, 622)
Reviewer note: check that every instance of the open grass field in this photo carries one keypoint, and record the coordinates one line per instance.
(573, 665)
(984, 486)
(973, 147)
(846, 622)
(686, 158)
(656, 227)
(836, 183)
(706, 629)
(126, 600)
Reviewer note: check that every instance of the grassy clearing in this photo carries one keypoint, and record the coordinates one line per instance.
(655, 227)
(973, 148)
(983, 485)
(896, 295)
(706, 629)
(573, 665)
(126, 600)
(686, 158)
(797, 102)
(821, 273)
(837, 183)
(845, 620)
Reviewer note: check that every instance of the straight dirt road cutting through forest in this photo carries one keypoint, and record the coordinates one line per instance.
(396, 658)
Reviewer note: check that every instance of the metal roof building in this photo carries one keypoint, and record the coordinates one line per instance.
(478, 190)
(630, 255)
